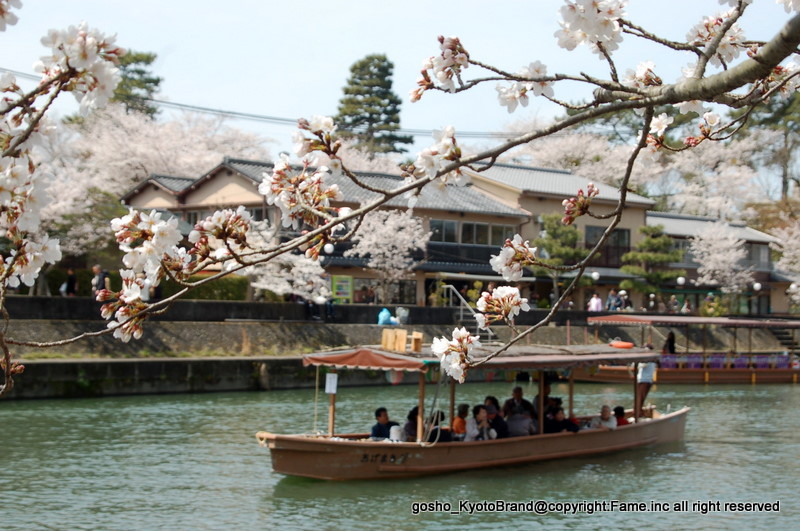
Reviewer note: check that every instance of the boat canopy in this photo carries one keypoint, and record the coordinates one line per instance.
(623, 319)
(515, 357)
(367, 358)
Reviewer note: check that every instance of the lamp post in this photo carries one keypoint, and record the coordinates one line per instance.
(755, 307)
(595, 276)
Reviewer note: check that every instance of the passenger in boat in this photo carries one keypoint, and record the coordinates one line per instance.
(492, 401)
(478, 428)
(382, 428)
(619, 413)
(559, 423)
(460, 423)
(410, 428)
(436, 433)
(606, 421)
(519, 415)
(497, 422)
(517, 405)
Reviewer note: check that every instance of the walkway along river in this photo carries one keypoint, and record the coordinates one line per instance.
(191, 462)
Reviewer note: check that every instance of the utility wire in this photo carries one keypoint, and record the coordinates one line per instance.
(276, 119)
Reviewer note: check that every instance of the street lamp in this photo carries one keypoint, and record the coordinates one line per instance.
(681, 281)
(328, 248)
(595, 276)
(757, 286)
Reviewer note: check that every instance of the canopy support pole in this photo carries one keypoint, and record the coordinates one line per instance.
(637, 409)
(452, 402)
(421, 406)
(332, 412)
(540, 408)
(571, 394)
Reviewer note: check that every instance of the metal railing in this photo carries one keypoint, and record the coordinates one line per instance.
(451, 292)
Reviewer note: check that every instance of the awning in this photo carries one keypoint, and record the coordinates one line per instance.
(367, 358)
(622, 319)
(515, 357)
(544, 357)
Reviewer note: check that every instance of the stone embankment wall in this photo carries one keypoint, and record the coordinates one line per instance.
(178, 357)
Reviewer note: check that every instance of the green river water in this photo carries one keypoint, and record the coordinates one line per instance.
(192, 462)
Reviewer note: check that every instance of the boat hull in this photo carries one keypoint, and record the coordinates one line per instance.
(341, 458)
(613, 374)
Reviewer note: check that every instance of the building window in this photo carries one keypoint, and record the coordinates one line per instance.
(619, 237)
(501, 233)
(475, 233)
(444, 230)
(256, 213)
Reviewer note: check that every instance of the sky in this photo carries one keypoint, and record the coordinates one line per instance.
(291, 59)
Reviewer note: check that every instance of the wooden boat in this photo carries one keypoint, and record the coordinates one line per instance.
(692, 367)
(356, 456)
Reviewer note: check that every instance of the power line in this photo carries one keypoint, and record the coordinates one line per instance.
(276, 120)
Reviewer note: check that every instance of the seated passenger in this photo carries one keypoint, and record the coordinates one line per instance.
(520, 425)
(619, 413)
(382, 428)
(492, 401)
(478, 428)
(459, 429)
(557, 423)
(606, 421)
(496, 422)
(437, 434)
(546, 400)
(517, 405)
(410, 427)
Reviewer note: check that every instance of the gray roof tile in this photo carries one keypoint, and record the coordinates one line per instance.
(558, 183)
(682, 225)
(450, 198)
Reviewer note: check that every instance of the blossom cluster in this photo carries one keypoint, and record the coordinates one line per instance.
(221, 235)
(514, 255)
(431, 160)
(517, 93)
(577, 206)
(89, 57)
(503, 303)
(7, 18)
(643, 76)
(592, 22)
(303, 196)
(455, 354)
(708, 29)
(443, 69)
(148, 241)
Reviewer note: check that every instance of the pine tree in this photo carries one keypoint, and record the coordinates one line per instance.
(649, 262)
(138, 84)
(557, 245)
(369, 111)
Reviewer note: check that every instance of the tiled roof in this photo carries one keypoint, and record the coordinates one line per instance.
(558, 183)
(681, 225)
(172, 183)
(451, 198)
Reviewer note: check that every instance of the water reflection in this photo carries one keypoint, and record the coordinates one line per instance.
(192, 462)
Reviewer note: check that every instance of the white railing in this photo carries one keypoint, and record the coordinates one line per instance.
(452, 293)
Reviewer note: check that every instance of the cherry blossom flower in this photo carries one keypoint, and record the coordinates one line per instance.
(503, 303)
(706, 31)
(660, 123)
(7, 18)
(455, 354)
(514, 256)
(443, 68)
(303, 196)
(591, 22)
(687, 107)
